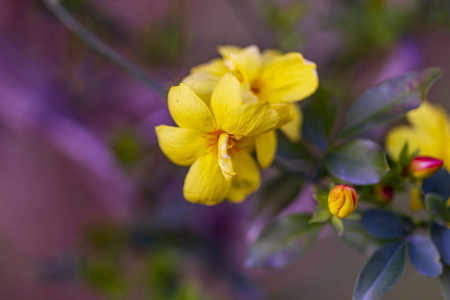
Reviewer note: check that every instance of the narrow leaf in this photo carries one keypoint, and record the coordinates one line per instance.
(444, 281)
(424, 256)
(358, 238)
(388, 101)
(380, 272)
(322, 198)
(320, 215)
(358, 162)
(437, 209)
(383, 224)
(338, 225)
(440, 236)
(283, 241)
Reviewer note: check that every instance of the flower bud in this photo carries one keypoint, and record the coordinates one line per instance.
(384, 193)
(423, 167)
(415, 200)
(342, 201)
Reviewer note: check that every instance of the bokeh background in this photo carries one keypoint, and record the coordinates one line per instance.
(89, 206)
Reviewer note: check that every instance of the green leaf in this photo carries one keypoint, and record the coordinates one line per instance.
(388, 101)
(438, 184)
(321, 197)
(320, 215)
(276, 194)
(338, 225)
(359, 162)
(444, 281)
(318, 118)
(405, 157)
(424, 256)
(282, 241)
(358, 238)
(354, 217)
(440, 235)
(437, 209)
(383, 224)
(380, 272)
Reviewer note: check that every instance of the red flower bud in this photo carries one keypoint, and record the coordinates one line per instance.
(384, 193)
(423, 167)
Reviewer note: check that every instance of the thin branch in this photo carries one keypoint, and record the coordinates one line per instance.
(89, 38)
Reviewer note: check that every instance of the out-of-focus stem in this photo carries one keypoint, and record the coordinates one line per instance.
(88, 37)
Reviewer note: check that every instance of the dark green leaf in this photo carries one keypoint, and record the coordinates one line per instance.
(437, 209)
(424, 256)
(438, 184)
(320, 215)
(444, 281)
(282, 241)
(383, 224)
(440, 235)
(358, 162)
(322, 198)
(276, 194)
(338, 225)
(388, 101)
(358, 238)
(296, 159)
(354, 217)
(380, 272)
(405, 157)
(318, 118)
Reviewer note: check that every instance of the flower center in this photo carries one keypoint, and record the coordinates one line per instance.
(225, 144)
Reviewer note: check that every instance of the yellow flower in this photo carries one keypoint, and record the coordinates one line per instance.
(269, 77)
(429, 132)
(216, 140)
(342, 201)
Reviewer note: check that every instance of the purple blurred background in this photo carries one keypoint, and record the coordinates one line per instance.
(80, 163)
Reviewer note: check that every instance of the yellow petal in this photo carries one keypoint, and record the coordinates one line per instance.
(247, 177)
(215, 67)
(349, 205)
(225, 163)
(204, 181)
(251, 119)
(247, 94)
(245, 64)
(430, 118)
(202, 84)
(337, 203)
(398, 136)
(293, 129)
(246, 144)
(204, 78)
(286, 113)
(181, 145)
(226, 98)
(188, 110)
(227, 51)
(266, 147)
(287, 78)
(270, 54)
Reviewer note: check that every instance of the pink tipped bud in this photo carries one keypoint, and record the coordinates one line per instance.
(423, 167)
